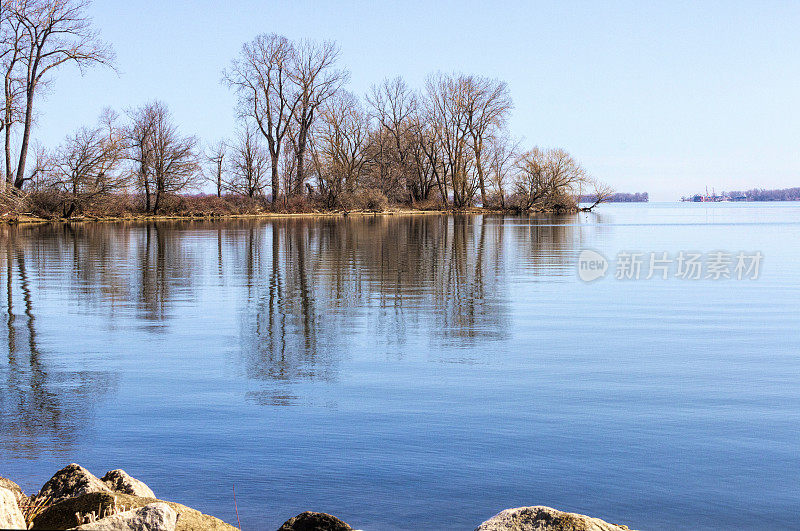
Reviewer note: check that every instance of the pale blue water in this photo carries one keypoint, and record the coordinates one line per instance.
(411, 372)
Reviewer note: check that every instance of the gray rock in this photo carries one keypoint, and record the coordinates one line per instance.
(152, 517)
(10, 514)
(311, 521)
(64, 515)
(120, 481)
(542, 518)
(71, 481)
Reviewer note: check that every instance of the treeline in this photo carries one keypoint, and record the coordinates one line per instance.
(619, 197)
(303, 140)
(757, 194)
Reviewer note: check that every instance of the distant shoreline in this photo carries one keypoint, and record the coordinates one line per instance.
(746, 196)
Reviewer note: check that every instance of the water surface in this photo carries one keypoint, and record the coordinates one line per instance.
(418, 372)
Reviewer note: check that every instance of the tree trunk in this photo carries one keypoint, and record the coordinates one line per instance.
(302, 134)
(26, 136)
(442, 188)
(219, 178)
(301, 151)
(9, 176)
(480, 180)
(275, 180)
(146, 194)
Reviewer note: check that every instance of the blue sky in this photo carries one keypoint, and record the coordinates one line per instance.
(664, 97)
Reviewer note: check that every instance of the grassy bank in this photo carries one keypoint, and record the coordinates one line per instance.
(14, 218)
(40, 207)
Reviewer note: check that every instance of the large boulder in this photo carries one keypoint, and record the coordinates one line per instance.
(10, 515)
(71, 481)
(311, 521)
(120, 481)
(6, 483)
(63, 514)
(545, 519)
(152, 517)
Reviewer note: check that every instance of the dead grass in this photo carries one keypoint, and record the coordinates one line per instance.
(33, 507)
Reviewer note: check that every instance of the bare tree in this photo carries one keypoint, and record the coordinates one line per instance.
(88, 163)
(548, 179)
(249, 165)
(261, 78)
(42, 170)
(164, 161)
(424, 159)
(385, 174)
(488, 105)
(448, 111)
(214, 170)
(430, 148)
(599, 192)
(139, 140)
(50, 33)
(500, 162)
(315, 79)
(339, 146)
(11, 55)
(393, 106)
(531, 182)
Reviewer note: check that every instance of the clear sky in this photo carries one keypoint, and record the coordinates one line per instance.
(664, 97)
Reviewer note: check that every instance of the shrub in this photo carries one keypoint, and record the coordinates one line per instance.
(494, 200)
(432, 203)
(114, 206)
(211, 205)
(11, 202)
(48, 204)
(561, 202)
(371, 199)
(296, 204)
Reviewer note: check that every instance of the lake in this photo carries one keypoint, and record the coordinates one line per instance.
(413, 372)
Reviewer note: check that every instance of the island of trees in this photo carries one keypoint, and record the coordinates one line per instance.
(304, 143)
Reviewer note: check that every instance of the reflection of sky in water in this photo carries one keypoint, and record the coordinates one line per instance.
(459, 357)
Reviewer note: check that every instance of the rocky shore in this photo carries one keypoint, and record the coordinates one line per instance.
(76, 499)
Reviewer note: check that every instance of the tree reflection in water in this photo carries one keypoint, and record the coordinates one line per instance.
(314, 284)
(311, 292)
(43, 407)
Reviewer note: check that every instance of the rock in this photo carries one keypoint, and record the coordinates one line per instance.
(544, 519)
(62, 515)
(120, 481)
(310, 521)
(153, 517)
(10, 514)
(13, 487)
(69, 482)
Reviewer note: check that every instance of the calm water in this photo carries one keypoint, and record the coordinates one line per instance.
(411, 372)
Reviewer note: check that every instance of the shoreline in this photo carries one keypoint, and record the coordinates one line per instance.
(22, 219)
